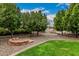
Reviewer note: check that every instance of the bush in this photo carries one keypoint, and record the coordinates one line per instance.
(4, 31)
(21, 31)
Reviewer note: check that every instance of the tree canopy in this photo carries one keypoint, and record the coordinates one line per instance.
(11, 18)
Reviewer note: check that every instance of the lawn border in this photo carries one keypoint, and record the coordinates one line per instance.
(14, 54)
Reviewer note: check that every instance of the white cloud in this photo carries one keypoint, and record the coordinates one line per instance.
(37, 9)
(25, 10)
(46, 11)
(29, 10)
(60, 4)
(50, 19)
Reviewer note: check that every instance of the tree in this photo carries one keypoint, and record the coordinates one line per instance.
(59, 21)
(34, 21)
(39, 22)
(70, 20)
(68, 13)
(74, 20)
(27, 22)
(9, 18)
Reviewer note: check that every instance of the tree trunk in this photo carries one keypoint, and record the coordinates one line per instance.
(33, 33)
(11, 34)
(76, 34)
(37, 33)
(62, 33)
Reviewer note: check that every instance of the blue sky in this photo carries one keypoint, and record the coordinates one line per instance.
(49, 8)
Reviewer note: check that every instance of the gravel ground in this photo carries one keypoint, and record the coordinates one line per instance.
(6, 49)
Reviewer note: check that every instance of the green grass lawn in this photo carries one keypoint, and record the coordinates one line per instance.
(54, 48)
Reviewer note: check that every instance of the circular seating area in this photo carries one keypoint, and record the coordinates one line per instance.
(18, 42)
